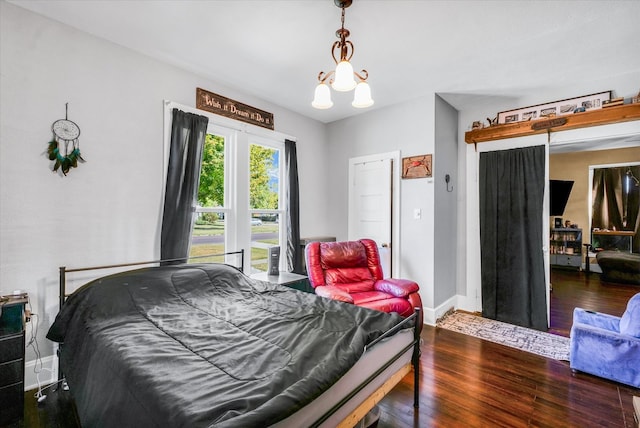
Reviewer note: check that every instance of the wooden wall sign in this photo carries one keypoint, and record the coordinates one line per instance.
(226, 107)
(549, 123)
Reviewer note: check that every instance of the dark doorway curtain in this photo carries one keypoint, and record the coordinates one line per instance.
(512, 261)
(616, 200)
(188, 133)
(294, 252)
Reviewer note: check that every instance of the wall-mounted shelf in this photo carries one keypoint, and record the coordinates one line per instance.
(604, 116)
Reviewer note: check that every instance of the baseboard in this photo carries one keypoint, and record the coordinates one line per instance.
(431, 315)
(48, 372)
(465, 303)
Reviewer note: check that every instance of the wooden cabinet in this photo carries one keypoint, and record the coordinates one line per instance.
(566, 247)
(12, 328)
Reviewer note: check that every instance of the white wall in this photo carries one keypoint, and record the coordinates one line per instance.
(108, 209)
(409, 128)
(445, 204)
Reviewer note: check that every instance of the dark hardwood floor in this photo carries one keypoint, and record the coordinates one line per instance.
(578, 289)
(474, 383)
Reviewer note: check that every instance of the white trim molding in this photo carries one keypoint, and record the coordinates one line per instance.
(45, 370)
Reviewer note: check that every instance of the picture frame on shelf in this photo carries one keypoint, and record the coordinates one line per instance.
(417, 166)
(556, 108)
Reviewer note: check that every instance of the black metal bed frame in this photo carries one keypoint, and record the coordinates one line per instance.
(415, 343)
(415, 362)
(64, 271)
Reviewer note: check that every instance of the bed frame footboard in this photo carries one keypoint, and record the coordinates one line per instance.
(373, 399)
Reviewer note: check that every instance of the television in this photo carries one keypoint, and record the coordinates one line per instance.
(559, 191)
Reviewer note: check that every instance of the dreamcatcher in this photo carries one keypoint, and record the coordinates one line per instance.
(64, 148)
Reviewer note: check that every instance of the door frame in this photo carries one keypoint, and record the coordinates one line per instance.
(395, 198)
(619, 135)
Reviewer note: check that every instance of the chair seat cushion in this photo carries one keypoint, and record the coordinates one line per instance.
(369, 296)
(394, 304)
(334, 293)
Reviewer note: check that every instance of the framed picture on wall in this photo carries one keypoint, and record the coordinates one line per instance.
(417, 167)
(556, 108)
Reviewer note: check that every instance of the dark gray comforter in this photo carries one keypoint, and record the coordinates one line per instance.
(203, 345)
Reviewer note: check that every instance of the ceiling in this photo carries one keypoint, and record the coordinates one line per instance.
(463, 50)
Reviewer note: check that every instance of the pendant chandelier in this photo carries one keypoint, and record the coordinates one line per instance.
(343, 78)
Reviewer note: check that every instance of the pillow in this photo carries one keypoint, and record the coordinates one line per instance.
(630, 320)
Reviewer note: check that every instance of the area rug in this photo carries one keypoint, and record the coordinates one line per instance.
(529, 340)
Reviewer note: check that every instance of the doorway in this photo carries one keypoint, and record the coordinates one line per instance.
(606, 137)
(577, 166)
(504, 145)
(512, 187)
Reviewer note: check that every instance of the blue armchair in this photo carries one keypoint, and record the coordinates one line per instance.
(607, 346)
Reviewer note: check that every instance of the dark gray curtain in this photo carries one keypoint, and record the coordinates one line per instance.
(512, 261)
(188, 133)
(616, 200)
(294, 252)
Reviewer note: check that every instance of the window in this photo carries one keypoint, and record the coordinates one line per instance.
(615, 213)
(240, 200)
(213, 209)
(265, 195)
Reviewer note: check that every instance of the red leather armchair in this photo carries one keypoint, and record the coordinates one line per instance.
(350, 271)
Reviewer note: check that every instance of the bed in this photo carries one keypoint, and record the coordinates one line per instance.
(203, 345)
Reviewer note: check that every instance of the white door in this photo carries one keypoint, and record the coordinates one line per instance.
(370, 203)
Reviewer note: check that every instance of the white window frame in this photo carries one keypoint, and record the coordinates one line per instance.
(282, 204)
(230, 222)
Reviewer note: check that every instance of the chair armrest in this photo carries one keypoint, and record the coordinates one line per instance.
(396, 287)
(335, 293)
(608, 336)
(596, 319)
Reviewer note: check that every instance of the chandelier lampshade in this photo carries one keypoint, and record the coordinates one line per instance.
(343, 78)
(362, 96)
(322, 98)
